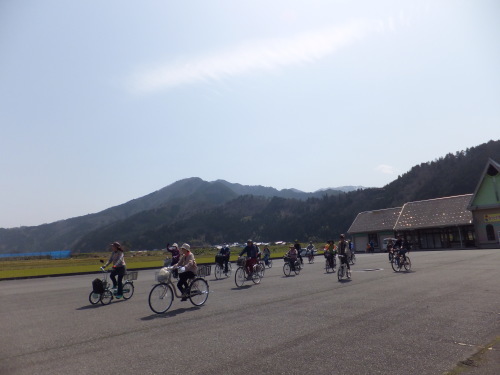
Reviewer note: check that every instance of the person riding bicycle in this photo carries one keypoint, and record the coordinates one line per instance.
(298, 247)
(174, 250)
(267, 255)
(251, 251)
(401, 246)
(119, 268)
(330, 251)
(292, 255)
(310, 250)
(187, 269)
(343, 249)
(225, 253)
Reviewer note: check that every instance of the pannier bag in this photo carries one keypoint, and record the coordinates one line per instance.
(98, 286)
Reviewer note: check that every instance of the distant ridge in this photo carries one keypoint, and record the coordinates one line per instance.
(202, 213)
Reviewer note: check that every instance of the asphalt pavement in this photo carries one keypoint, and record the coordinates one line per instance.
(440, 318)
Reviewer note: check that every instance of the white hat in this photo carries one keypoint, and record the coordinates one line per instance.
(186, 246)
(175, 245)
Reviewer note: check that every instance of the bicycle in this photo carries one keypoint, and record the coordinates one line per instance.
(287, 268)
(219, 269)
(343, 271)
(399, 262)
(162, 294)
(310, 256)
(241, 275)
(105, 293)
(269, 263)
(262, 268)
(329, 262)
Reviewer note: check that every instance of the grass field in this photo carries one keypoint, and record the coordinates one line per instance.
(82, 263)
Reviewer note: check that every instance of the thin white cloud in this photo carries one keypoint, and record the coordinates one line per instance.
(255, 56)
(385, 169)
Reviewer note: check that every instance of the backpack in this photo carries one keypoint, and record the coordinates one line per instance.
(98, 286)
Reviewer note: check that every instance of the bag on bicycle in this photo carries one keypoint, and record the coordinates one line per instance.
(98, 286)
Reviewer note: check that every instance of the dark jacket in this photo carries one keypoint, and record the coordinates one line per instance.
(251, 251)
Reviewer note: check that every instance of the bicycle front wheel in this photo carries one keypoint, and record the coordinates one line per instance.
(198, 291)
(287, 269)
(407, 263)
(128, 290)
(269, 263)
(94, 298)
(218, 271)
(261, 267)
(239, 277)
(394, 264)
(353, 259)
(229, 270)
(106, 297)
(160, 298)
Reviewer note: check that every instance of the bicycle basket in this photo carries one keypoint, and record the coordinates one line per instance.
(241, 261)
(163, 276)
(131, 275)
(98, 286)
(219, 259)
(204, 270)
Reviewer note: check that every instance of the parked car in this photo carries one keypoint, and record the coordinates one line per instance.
(304, 252)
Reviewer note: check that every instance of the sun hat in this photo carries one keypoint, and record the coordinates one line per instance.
(186, 246)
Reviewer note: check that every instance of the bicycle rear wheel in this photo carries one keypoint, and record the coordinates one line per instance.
(160, 298)
(128, 290)
(407, 263)
(198, 291)
(106, 297)
(328, 269)
(239, 277)
(94, 298)
(298, 267)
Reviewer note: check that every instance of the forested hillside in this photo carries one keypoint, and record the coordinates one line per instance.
(202, 213)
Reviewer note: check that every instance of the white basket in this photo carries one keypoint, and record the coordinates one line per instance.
(163, 277)
(131, 275)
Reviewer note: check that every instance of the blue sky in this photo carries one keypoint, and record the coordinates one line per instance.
(102, 102)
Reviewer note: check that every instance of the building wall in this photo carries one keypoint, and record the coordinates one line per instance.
(482, 218)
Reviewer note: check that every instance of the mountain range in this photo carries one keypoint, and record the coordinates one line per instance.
(203, 213)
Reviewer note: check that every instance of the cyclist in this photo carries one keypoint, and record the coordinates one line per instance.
(298, 247)
(292, 255)
(119, 268)
(343, 249)
(188, 263)
(225, 252)
(267, 255)
(401, 246)
(310, 251)
(252, 252)
(351, 248)
(174, 250)
(330, 251)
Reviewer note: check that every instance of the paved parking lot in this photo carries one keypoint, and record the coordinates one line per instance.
(422, 322)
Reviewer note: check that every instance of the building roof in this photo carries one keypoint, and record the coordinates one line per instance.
(435, 213)
(372, 221)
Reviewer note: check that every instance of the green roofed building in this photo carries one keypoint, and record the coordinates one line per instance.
(463, 221)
